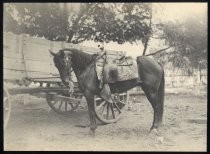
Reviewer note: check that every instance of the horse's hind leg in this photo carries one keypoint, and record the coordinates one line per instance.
(153, 97)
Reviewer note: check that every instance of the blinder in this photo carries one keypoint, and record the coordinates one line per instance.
(67, 62)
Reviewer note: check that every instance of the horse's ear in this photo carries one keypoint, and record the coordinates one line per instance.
(62, 53)
(52, 53)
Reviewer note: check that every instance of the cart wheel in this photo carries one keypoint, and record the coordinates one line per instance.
(110, 112)
(7, 107)
(62, 107)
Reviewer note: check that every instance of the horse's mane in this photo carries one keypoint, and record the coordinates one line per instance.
(80, 57)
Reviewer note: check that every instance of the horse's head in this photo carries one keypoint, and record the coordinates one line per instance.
(63, 63)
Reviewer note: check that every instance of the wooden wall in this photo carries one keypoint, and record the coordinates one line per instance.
(25, 56)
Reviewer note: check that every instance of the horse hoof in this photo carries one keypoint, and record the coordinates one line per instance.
(154, 131)
(160, 140)
(92, 133)
(157, 129)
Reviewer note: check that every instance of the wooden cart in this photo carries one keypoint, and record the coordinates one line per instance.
(27, 62)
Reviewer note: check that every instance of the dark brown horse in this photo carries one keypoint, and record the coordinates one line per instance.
(83, 65)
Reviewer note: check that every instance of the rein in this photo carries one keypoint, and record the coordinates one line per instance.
(71, 83)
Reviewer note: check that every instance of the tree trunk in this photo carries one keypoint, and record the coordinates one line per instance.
(148, 36)
(75, 24)
(145, 46)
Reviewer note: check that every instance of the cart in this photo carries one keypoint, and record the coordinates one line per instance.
(27, 62)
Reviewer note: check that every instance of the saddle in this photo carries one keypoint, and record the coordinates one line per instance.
(111, 70)
(114, 70)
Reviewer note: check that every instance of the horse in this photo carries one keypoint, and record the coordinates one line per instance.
(84, 67)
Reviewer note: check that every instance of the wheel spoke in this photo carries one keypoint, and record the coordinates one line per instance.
(6, 108)
(98, 107)
(121, 102)
(117, 107)
(5, 99)
(71, 105)
(54, 103)
(60, 105)
(107, 111)
(97, 99)
(112, 111)
(65, 106)
(103, 108)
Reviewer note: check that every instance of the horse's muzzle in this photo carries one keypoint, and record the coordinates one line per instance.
(66, 82)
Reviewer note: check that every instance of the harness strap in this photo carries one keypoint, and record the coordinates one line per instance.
(71, 83)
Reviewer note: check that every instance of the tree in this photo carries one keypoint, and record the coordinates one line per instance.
(189, 39)
(49, 20)
(117, 22)
(104, 22)
(9, 23)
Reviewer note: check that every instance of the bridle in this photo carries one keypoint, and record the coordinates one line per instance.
(71, 82)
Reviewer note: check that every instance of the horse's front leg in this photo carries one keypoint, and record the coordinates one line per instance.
(90, 101)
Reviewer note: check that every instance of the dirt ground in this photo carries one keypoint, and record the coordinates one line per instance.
(34, 126)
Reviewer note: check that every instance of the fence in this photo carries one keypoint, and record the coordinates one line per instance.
(179, 78)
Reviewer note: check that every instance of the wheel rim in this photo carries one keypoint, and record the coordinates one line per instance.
(110, 112)
(7, 107)
(62, 107)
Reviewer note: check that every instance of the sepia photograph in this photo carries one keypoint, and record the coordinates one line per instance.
(105, 76)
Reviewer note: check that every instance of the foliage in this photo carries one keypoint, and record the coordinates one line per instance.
(104, 22)
(9, 23)
(120, 22)
(189, 41)
(43, 20)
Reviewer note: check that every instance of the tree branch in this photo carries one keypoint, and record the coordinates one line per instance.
(162, 37)
(148, 37)
(145, 46)
(158, 51)
(75, 24)
(164, 49)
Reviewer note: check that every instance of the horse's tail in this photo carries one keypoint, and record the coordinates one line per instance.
(161, 90)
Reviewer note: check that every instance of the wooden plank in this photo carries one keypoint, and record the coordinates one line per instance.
(35, 90)
(37, 57)
(40, 74)
(36, 49)
(38, 41)
(37, 66)
(63, 98)
(13, 74)
(9, 54)
(11, 63)
(9, 36)
(54, 70)
(48, 80)
(18, 74)
(36, 52)
(47, 77)
(11, 45)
